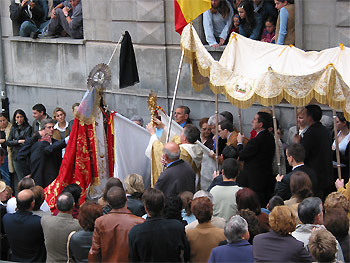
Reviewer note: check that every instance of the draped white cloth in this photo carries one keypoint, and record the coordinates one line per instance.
(130, 143)
(252, 71)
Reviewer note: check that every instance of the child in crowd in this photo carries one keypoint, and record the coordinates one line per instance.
(269, 30)
(235, 26)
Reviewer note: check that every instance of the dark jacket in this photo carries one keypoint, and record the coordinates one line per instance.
(80, 245)
(21, 132)
(135, 206)
(273, 247)
(177, 178)
(158, 240)
(45, 159)
(110, 237)
(282, 188)
(26, 237)
(20, 14)
(318, 154)
(240, 251)
(258, 156)
(3, 239)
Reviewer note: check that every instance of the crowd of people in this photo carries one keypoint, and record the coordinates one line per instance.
(48, 18)
(249, 213)
(263, 20)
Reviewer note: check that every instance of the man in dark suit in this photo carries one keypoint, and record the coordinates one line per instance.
(45, 154)
(295, 156)
(178, 175)
(317, 143)
(24, 231)
(158, 239)
(258, 156)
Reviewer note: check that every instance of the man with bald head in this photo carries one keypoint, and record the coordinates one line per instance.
(57, 228)
(178, 175)
(24, 231)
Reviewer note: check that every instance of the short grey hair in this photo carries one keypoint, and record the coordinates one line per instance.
(212, 120)
(137, 118)
(171, 155)
(235, 227)
(203, 193)
(46, 121)
(65, 202)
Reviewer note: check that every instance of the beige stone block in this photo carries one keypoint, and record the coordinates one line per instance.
(150, 10)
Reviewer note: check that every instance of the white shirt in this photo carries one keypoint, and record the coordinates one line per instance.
(12, 205)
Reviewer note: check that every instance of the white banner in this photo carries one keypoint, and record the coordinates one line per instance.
(130, 143)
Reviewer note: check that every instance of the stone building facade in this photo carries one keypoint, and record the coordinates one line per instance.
(54, 71)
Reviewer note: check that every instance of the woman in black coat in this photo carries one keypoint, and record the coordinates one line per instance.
(20, 131)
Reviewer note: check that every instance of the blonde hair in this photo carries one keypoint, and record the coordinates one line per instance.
(300, 110)
(55, 112)
(282, 220)
(134, 184)
(337, 200)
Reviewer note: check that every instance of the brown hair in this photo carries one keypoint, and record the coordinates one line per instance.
(202, 208)
(202, 121)
(186, 198)
(88, 213)
(336, 200)
(110, 183)
(247, 198)
(253, 222)
(282, 220)
(39, 197)
(336, 221)
(223, 9)
(300, 185)
(153, 200)
(322, 245)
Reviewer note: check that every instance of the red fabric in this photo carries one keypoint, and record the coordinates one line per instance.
(78, 165)
(252, 134)
(180, 21)
(110, 145)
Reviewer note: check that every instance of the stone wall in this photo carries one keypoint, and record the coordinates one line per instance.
(54, 71)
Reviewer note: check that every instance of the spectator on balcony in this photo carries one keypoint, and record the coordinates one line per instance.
(217, 22)
(250, 24)
(68, 20)
(28, 14)
(269, 30)
(264, 9)
(235, 26)
(285, 28)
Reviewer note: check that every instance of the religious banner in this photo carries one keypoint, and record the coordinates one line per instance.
(252, 71)
(130, 142)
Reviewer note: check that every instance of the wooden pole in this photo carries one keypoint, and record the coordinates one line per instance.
(296, 119)
(336, 143)
(240, 121)
(217, 128)
(276, 141)
(174, 96)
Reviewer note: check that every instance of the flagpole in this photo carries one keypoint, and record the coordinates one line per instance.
(115, 49)
(174, 96)
(216, 130)
(240, 120)
(276, 141)
(336, 143)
